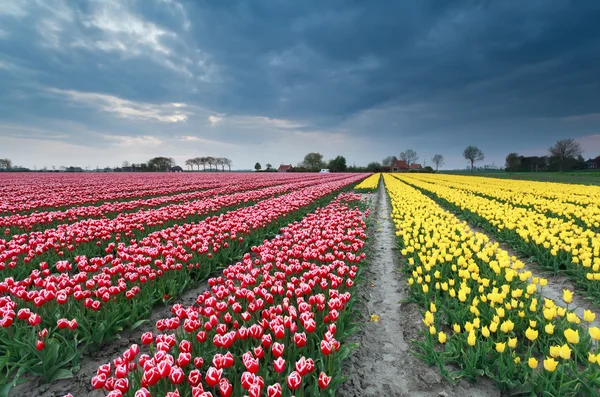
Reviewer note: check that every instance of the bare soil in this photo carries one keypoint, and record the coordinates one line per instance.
(383, 364)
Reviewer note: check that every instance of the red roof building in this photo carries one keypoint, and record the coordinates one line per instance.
(415, 166)
(285, 168)
(398, 165)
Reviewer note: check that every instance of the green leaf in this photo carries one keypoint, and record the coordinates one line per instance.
(61, 374)
(138, 323)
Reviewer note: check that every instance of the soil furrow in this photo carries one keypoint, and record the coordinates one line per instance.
(383, 363)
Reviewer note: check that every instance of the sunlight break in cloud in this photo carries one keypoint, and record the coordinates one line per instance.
(165, 113)
(214, 119)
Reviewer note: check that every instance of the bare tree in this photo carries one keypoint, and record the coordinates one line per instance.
(566, 149)
(388, 161)
(210, 161)
(438, 160)
(228, 163)
(200, 161)
(5, 164)
(473, 154)
(409, 156)
(190, 163)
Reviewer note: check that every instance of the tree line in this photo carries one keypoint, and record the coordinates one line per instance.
(564, 155)
(210, 161)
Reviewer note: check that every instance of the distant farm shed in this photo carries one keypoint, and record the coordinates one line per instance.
(285, 168)
(176, 169)
(415, 166)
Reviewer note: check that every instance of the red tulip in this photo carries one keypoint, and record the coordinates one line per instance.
(143, 392)
(274, 390)
(122, 385)
(225, 388)
(325, 348)
(39, 345)
(279, 365)
(62, 323)
(176, 376)
(277, 349)
(324, 380)
(213, 376)
(294, 380)
(300, 339)
(194, 377)
(98, 381)
(147, 338)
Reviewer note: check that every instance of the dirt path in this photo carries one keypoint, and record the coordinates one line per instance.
(383, 364)
(80, 385)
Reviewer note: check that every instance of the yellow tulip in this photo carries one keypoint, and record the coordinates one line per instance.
(432, 307)
(532, 362)
(493, 327)
(507, 326)
(572, 336)
(589, 316)
(531, 334)
(471, 338)
(500, 347)
(442, 337)
(456, 328)
(485, 332)
(572, 318)
(428, 320)
(592, 358)
(595, 333)
(550, 364)
(432, 330)
(567, 296)
(565, 352)
(532, 323)
(549, 328)
(512, 342)
(555, 351)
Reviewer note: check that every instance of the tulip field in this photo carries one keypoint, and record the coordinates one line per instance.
(275, 266)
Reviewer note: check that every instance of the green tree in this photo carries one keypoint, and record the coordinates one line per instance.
(313, 161)
(161, 163)
(338, 164)
(374, 167)
(257, 166)
(512, 162)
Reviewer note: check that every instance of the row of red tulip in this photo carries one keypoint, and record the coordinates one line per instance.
(27, 192)
(270, 325)
(91, 237)
(26, 222)
(22, 194)
(106, 294)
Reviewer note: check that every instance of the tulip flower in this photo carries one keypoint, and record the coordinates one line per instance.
(567, 296)
(550, 364)
(324, 380)
(532, 362)
(294, 380)
(572, 336)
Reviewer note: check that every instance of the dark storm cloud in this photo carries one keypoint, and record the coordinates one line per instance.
(420, 73)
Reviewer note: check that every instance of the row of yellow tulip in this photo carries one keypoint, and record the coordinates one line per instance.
(370, 184)
(560, 245)
(484, 316)
(577, 202)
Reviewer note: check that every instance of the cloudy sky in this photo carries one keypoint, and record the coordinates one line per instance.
(94, 83)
